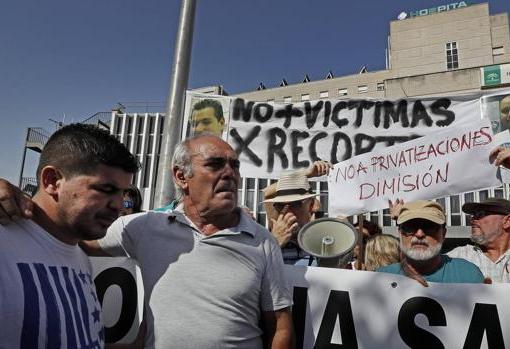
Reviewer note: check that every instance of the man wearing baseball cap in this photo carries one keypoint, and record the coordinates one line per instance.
(490, 231)
(422, 229)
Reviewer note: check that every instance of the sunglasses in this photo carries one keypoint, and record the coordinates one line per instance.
(318, 214)
(411, 227)
(480, 214)
(128, 204)
(279, 206)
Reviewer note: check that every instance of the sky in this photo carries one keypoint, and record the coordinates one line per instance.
(66, 60)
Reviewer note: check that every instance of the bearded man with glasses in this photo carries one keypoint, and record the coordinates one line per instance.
(490, 231)
(422, 229)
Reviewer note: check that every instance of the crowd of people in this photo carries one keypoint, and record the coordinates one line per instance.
(206, 263)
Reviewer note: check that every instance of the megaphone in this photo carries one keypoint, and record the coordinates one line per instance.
(330, 240)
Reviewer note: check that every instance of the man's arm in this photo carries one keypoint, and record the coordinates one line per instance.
(92, 248)
(116, 242)
(278, 330)
(317, 169)
(13, 203)
(276, 301)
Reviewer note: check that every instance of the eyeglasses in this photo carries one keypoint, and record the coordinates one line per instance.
(411, 227)
(480, 214)
(279, 206)
(128, 204)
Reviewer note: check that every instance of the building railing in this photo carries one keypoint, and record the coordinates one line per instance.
(133, 107)
(38, 136)
(102, 118)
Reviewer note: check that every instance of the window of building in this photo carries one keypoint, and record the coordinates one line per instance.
(261, 210)
(380, 86)
(498, 51)
(240, 190)
(452, 56)
(139, 141)
(499, 193)
(250, 193)
(323, 187)
(118, 125)
(139, 135)
(146, 169)
(129, 131)
(305, 97)
(484, 195)
(468, 197)
(387, 220)
(152, 122)
(159, 139)
(455, 211)
(323, 94)
(342, 91)
(362, 88)
(287, 99)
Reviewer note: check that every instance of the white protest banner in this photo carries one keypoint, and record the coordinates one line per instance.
(450, 161)
(336, 308)
(270, 137)
(119, 288)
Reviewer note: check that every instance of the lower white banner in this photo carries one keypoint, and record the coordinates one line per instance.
(119, 288)
(336, 308)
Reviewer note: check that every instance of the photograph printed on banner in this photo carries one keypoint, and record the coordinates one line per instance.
(497, 109)
(206, 114)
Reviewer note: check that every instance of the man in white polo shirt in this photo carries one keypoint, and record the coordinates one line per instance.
(211, 274)
(490, 231)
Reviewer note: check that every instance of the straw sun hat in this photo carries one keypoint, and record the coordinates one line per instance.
(292, 186)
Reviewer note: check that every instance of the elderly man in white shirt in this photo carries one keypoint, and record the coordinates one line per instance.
(490, 231)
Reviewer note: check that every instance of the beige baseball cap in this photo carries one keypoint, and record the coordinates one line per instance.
(424, 209)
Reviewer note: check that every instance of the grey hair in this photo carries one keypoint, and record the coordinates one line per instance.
(182, 160)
